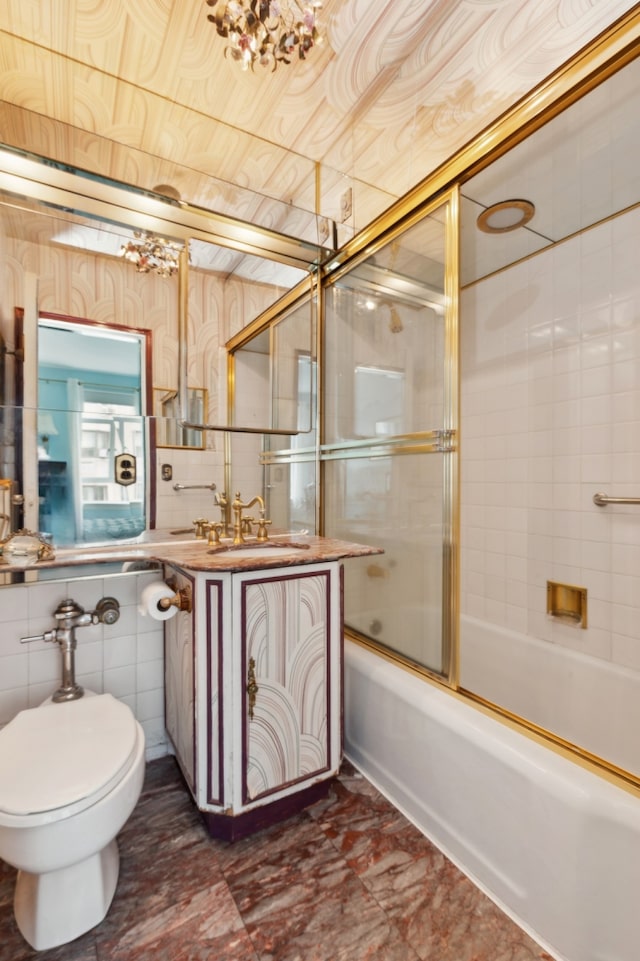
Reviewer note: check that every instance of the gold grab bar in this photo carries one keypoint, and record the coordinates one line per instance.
(603, 499)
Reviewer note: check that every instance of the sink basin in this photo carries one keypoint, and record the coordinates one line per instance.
(254, 551)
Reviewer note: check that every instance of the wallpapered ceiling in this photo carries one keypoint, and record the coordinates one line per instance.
(143, 93)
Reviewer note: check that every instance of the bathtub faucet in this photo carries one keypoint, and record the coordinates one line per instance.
(238, 522)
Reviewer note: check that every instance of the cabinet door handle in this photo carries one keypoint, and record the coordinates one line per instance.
(252, 687)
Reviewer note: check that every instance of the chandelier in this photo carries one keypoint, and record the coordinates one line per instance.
(150, 253)
(267, 32)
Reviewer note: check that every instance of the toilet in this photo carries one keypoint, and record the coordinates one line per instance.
(70, 777)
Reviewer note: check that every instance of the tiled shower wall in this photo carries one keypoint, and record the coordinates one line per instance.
(550, 354)
(124, 659)
(178, 509)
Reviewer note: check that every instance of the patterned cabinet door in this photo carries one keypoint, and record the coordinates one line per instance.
(179, 695)
(285, 627)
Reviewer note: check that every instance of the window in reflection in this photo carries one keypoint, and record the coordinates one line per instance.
(90, 390)
(378, 401)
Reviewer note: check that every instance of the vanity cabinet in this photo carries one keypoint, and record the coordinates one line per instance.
(254, 691)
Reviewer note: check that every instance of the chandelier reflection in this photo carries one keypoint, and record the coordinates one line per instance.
(266, 31)
(152, 254)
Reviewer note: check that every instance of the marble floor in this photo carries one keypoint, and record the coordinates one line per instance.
(348, 878)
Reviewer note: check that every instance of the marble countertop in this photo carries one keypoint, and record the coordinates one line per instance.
(184, 551)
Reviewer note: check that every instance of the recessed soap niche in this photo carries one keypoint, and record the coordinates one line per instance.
(567, 603)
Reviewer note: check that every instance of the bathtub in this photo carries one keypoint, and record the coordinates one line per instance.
(585, 700)
(554, 845)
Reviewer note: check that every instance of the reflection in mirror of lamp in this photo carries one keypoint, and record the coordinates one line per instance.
(169, 432)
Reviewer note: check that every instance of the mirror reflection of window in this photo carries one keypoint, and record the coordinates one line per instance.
(91, 404)
(378, 401)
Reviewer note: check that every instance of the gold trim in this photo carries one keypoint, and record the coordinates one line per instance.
(319, 425)
(231, 388)
(273, 314)
(451, 471)
(618, 776)
(338, 266)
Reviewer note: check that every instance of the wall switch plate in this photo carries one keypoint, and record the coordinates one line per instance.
(166, 472)
(125, 469)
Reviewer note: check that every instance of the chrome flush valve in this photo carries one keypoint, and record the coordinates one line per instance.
(70, 615)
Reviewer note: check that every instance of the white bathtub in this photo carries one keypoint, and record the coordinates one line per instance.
(556, 846)
(585, 700)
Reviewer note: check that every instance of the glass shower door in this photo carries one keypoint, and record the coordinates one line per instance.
(387, 452)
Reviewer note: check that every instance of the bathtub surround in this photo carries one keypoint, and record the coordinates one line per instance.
(347, 879)
(493, 656)
(550, 415)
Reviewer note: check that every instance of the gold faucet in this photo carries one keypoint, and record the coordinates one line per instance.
(238, 507)
(220, 500)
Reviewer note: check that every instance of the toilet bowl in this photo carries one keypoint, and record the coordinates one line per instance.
(71, 776)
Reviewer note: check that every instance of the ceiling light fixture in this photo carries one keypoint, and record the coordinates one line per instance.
(152, 254)
(266, 31)
(505, 216)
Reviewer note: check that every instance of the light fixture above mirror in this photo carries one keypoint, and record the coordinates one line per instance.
(152, 254)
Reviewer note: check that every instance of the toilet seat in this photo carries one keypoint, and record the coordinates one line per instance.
(58, 759)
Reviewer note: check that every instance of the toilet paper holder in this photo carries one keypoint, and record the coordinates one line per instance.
(181, 599)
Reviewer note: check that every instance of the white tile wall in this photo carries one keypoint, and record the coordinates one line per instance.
(178, 509)
(125, 659)
(550, 354)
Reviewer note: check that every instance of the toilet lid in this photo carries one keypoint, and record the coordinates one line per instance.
(58, 754)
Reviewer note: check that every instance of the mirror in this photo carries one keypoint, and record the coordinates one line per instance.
(169, 430)
(82, 256)
(62, 234)
(266, 372)
(92, 440)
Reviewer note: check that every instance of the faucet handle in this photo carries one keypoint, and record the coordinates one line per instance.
(201, 525)
(214, 533)
(262, 534)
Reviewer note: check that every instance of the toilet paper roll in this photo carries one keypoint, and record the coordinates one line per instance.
(149, 598)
